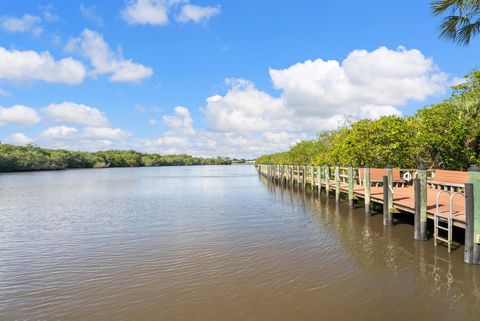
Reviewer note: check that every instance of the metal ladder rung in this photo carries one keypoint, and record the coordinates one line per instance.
(442, 239)
(442, 228)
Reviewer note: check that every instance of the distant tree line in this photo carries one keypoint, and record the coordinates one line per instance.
(444, 136)
(30, 157)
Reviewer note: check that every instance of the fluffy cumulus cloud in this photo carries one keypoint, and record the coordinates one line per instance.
(317, 94)
(59, 133)
(73, 113)
(156, 12)
(26, 23)
(143, 12)
(364, 83)
(105, 133)
(194, 13)
(16, 65)
(18, 114)
(245, 109)
(18, 139)
(93, 47)
(181, 121)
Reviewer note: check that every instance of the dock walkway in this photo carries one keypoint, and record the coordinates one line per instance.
(446, 197)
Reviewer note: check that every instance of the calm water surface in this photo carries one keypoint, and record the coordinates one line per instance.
(211, 243)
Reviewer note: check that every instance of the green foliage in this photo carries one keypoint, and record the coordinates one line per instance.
(445, 135)
(22, 158)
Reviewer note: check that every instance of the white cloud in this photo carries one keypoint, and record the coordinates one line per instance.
(171, 141)
(245, 109)
(181, 121)
(59, 133)
(18, 139)
(316, 95)
(193, 13)
(18, 114)
(26, 23)
(16, 65)
(156, 12)
(153, 12)
(105, 133)
(92, 46)
(152, 121)
(90, 13)
(364, 79)
(73, 113)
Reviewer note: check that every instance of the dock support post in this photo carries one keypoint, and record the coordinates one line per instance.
(350, 185)
(312, 177)
(282, 175)
(304, 177)
(327, 180)
(387, 215)
(298, 177)
(390, 187)
(469, 223)
(420, 190)
(472, 215)
(337, 183)
(319, 180)
(366, 171)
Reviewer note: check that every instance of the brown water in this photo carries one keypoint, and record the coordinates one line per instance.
(212, 243)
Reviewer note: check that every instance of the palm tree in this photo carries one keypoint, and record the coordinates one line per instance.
(463, 21)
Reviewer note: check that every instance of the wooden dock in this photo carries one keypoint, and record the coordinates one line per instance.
(448, 198)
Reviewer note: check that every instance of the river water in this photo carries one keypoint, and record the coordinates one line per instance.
(212, 243)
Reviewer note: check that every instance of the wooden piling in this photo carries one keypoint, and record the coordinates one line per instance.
(319, 180)
(474, 179)
(299, 183)
(337, 183)
(350, 185)
(327, 180)
(304, 177)
(312, 177)
(390, 187)
(387, 215)
(367, 183)
(421, 204)
(469, 223)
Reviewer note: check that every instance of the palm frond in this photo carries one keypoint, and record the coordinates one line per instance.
(441, 6)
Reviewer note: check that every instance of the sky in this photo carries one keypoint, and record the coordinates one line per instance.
(212, 77)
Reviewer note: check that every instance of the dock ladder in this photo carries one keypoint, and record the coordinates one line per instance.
(444, 222)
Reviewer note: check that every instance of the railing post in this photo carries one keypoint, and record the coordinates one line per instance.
(319, 180)
(421, 204)
(350, 185)
(390, 188)
(366, 173)
(337, 183)
(327, 179)
(474, 215)
(387, 215)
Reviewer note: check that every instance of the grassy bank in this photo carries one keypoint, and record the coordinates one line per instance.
(28, 158)
(444, 135)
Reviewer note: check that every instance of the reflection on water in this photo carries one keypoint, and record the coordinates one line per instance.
(212, 243)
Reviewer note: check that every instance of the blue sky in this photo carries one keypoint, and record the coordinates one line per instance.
(233, 78)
